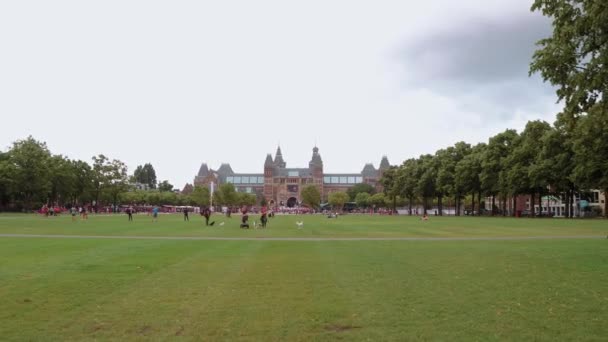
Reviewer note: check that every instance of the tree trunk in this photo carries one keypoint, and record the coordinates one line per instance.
(504, 206)
(440, 205)
(409, 202)
(606, 203)
(457, 213)
(532, 201)
(514, 206)
(473, 204)
(493, 204)
(571, 203)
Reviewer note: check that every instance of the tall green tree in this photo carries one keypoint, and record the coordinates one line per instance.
(109, 179)
(362, 199)
(391, 185)
(467, 175)
(408, 173)
(523, 168)
(427, 179)
(165, 186)
(145, 175)
(6, 180)
(359, 188)
(338, 199)
(591, 151)
(493, 171)
(200, 196)
(29, 161)
(225, 195)
(311, 196)
(575, 57)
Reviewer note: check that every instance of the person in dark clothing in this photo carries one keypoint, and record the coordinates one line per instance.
(130, 213)
(186, 218)
(206, 213)
(244, 218)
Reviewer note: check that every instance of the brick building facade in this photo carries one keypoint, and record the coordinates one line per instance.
(283, 185)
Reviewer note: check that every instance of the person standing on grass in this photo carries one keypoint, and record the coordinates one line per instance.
(206, 213)
(130, 213)
(186, 218)
(73, 211)
(155, 214)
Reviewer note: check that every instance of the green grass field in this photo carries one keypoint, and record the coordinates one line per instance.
(132, 289)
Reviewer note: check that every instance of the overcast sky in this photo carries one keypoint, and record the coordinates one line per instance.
(178, 83)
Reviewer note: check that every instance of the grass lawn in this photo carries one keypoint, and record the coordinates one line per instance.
(314, 226)
(98, 289)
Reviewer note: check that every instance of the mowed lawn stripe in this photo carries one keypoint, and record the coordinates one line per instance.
(314, 226)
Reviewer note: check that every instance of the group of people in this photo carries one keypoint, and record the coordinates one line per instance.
(82, 211)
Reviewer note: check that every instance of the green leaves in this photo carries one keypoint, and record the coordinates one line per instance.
(575, 57)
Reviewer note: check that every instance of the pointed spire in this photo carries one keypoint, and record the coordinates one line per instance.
(278, 158)
(316, 158)
(384, 164)
(268, 162)
(203, 171)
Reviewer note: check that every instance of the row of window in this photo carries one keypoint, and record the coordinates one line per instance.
(326, 180)
(245, 180)
(342, 180)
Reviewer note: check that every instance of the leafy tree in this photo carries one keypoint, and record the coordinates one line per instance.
(467, 174)
(591, 151)
(408, 171)
(555, 158)
(338, 199)
(446, 173)
(243, 198)
(362, 199)
(575, 57)
(359, 188)
(109, 178)
(311, 196)
(62, 179)
(427, 186)
(390, 183)
(165, 186)
(6, 180)
(145, 175)
(29, 160)
(200, 196)
(493, 168)
(83, 182)
(377, 200)
(225, 195)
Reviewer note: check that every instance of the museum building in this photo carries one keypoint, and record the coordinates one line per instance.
(283, 185)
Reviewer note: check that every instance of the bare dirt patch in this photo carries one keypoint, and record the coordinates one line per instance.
(341, 327)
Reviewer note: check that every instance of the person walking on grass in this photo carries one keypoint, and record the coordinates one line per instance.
(186, 218)
(155, 214)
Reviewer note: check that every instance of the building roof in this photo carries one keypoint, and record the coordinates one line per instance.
(316, 158)
(268, 162)
(225, 170)
(369, 170)
(384, 164)
(203, 171)
(278, 158)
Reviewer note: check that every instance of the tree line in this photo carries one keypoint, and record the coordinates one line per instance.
(560, 160)
(31, 176)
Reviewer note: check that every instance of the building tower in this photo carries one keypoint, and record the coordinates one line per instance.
(278, 159)
(316, 169)
(268, 179)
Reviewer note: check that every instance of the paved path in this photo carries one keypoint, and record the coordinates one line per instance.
(489, 238)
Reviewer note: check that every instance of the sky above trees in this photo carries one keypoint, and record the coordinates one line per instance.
(180, 83)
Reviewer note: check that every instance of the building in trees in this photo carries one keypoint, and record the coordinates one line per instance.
(283, 185)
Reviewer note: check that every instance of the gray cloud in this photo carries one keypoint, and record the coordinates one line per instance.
(485, 60)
